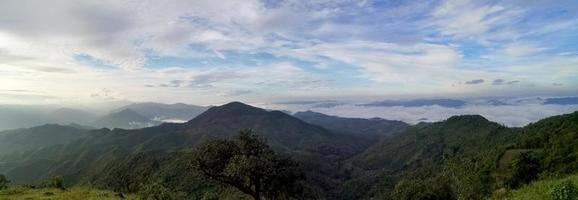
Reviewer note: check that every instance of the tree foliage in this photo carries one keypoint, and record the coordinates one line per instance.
(3, 182)
(251, 166)
(564, 191)
(525, 168)
(56, 182)
(157, 191)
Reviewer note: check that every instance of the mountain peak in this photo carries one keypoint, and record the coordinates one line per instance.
(310, 113)
(468, 118)
(236, 106)
(126, 111)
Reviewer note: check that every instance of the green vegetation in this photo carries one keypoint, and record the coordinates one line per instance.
(476, 158)
(463, 157)
(251, 166)
(73, 193)
(3, 182)
(552, 189)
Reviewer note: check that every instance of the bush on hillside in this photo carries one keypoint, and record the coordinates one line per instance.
(525, 169)
(564, 191)
(3, 182)
(56, 182)
(157, 191)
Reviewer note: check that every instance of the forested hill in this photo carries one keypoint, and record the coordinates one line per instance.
(373, 128)
(463, 157)
(80, 153)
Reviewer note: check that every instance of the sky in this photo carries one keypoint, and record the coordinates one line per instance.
(208, 52)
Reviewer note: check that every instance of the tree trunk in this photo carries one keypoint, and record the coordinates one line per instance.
(257, 190)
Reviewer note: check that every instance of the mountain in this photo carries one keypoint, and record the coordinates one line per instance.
(466, 156)
(283, 132)
(371, 128)
(425, 142)
(72, 116)
(17, 116)
(24, 140)
(562, 101)
(125, 118)
(462, 157)
(450, 103)
(12, 117)
(423, 148)
(166, 112)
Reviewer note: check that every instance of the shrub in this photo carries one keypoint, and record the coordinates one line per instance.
(3, 182)
(525, 169)
(564, 191)
(56, 182)
(157, 191)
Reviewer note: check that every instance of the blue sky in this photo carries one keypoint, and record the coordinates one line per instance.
(207, 52)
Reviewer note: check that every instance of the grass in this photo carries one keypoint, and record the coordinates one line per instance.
(74, 193)
(539, 190)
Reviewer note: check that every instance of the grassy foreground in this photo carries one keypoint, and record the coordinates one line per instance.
(539, 190)
(73, 193)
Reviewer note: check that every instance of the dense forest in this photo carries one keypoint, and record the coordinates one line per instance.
(237, 151)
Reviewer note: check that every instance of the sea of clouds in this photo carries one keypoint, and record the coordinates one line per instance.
(512, 112)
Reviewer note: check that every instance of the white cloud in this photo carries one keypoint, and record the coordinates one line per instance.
(39, 39)
(521, 49)
(384, 62)
(473, 19)
(510, 115)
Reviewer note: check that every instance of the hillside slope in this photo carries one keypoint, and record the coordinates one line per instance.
(374, 128)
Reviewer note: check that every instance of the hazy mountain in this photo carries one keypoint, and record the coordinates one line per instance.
(23, 140)
(126, 118)
(451, 103)
(12, 117)
(562, 101)
(283, 132)
(374, 127)
(338, 164)
(70, 116)
(166, 112)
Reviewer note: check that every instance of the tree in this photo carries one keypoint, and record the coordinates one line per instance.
(3, 182)
(525, 168)
(249, 165)
(56, 182)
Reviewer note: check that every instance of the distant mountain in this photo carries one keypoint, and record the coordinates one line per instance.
(427, 142)
(451, 103)
(562, 101)
(24, 140)
(465, 156)
(372, 128)
(12, 117)
(15, 116)
(166, 112)
(126, 118)
(72, 116)
(283, 132)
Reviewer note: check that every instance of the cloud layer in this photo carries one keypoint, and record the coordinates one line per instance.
(205, 52)
(508, 111)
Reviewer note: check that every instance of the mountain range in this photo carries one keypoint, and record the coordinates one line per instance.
(132, 116)
(467, 156)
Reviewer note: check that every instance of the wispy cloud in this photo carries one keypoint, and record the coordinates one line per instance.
(278, 49)
(474, 82)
